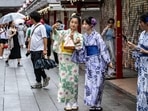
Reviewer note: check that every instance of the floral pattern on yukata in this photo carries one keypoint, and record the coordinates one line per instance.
(96, 65)
(142, 66)
(68, 86)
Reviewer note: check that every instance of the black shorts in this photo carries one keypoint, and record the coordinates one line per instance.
(3, 41)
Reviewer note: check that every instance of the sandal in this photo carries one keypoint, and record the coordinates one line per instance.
(98, 109)
(68, 107)
(75, 106)
(92, 109)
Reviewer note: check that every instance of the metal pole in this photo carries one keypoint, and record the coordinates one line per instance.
(119, 72)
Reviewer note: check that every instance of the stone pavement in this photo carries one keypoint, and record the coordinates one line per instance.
(16, 94)
(128, 84)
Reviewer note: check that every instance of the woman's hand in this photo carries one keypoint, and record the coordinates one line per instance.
(77, 40)
(55, 26)
(131, 45)
(111, 65)
(143, 51)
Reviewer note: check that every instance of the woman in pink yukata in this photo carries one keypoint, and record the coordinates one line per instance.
(97, 61)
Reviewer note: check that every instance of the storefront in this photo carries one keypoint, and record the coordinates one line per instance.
(10, 6)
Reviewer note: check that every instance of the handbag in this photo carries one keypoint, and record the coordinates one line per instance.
(44, 63)
(78, 56)
(69, 44)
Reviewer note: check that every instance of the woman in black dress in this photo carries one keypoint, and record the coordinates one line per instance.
(15, 52)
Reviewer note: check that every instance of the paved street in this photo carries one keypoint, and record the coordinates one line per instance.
(16, 94)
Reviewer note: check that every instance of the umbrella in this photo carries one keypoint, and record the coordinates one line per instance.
(11, 17)
(44, 63)
(18, 21)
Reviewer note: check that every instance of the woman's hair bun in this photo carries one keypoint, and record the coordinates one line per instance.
(76, 15)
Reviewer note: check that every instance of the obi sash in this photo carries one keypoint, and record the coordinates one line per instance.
(145, 48)
(69, 51)
(92, 50)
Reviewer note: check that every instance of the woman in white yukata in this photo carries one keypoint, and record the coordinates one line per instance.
(97, 61)
(68, 70)
(141, 56)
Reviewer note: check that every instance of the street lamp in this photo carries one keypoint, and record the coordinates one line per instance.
(24, 5)
(27, 1)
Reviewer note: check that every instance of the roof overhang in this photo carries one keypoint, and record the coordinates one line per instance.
(82, 3)
(58, 7)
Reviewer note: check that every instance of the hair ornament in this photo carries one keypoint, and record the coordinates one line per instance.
(73, 14)
(93, 22)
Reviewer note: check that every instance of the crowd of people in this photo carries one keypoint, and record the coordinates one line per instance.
(97, 51)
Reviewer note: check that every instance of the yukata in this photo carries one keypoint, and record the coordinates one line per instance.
(97, 59)
(142, 66)
(68, 70)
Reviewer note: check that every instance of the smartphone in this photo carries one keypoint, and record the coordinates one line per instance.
(125, 38)
(61, 26)
(138, 49)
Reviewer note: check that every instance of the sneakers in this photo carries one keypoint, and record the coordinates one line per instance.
(68, 107)
(36, 86)
(46, 81)
(75, 106)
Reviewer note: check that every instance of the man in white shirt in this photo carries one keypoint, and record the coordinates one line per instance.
(38, 48)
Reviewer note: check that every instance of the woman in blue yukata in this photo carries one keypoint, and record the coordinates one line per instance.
(141, 56)
(97, 61)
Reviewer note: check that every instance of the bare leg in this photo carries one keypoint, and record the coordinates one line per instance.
(1, 50)
(18, 63)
